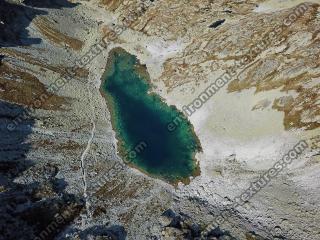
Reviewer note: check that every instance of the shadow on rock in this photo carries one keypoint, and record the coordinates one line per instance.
(57, 4)
(33, 202)
(114, 232)
(15, 19)
(182, 226)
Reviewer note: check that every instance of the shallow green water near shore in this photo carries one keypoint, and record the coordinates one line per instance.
(139, 117)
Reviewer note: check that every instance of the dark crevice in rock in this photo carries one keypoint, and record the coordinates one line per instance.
(217, 23)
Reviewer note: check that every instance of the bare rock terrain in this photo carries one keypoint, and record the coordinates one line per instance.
(60, 173)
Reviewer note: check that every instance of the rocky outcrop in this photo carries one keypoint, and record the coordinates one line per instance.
(181, 226)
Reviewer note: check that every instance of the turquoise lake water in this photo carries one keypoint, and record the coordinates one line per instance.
(139, 117)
